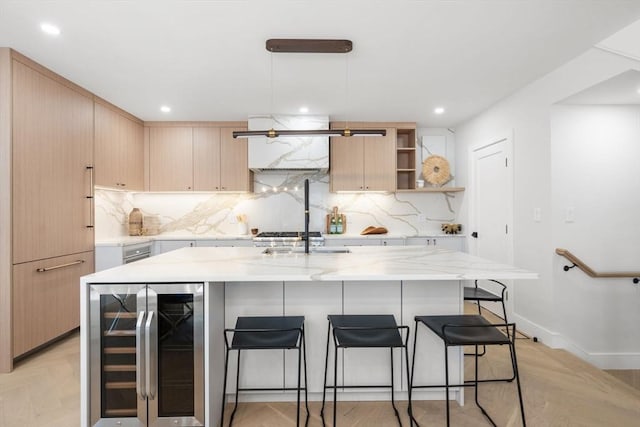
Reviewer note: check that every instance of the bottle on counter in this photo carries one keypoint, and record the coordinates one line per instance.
(339, 225)
(333, 225)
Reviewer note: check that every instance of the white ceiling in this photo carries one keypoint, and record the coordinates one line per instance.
(623, 89)
(206, 58)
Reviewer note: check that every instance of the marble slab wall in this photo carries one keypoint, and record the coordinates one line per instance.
(276, 205)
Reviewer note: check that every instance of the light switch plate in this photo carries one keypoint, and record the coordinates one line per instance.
(570, 214)
(537, 214)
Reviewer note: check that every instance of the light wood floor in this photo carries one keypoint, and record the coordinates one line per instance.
(559, 390)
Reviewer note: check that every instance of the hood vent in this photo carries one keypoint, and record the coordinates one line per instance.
(289, 154)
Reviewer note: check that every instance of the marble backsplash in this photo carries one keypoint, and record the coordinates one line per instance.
(277, 204)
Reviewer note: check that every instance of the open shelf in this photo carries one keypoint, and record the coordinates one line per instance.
(405, 159)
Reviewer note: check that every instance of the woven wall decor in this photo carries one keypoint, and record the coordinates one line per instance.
(435, 170)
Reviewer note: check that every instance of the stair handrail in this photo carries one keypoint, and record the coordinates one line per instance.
(592, 273)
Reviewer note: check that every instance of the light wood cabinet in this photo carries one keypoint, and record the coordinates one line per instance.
(52, 141)
(206, 159)
(363, 163)
(119, 150)
(46, 299)
(219, 161)
(171, 158)
(234, 167)
(198, 158)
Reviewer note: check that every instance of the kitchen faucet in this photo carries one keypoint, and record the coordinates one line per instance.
(306, 216)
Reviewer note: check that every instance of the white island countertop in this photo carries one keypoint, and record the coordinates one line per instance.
(240, 264)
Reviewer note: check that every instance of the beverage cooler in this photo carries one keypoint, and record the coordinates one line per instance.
(146, 355)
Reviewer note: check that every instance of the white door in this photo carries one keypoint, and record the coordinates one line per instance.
(492, 208)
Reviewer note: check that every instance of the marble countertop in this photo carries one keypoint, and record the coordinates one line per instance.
(362, 263)
(131, 240)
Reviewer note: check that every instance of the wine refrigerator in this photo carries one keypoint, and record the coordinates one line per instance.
(146, 355)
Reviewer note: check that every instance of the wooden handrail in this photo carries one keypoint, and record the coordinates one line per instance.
(589, 271)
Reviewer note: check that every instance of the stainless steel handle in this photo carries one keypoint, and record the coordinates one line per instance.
(140, 361)
(90, 196)
(151, 355)
(55, 267)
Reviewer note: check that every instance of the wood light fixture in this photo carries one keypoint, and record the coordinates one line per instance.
(309, 46)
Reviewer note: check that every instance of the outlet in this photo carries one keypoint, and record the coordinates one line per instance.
(422, 218)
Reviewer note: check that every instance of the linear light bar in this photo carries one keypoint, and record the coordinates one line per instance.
(272, 133)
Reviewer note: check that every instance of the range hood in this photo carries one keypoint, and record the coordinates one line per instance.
(290, 153)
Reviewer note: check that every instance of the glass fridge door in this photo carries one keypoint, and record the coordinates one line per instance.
(117, 316)
(174, 333)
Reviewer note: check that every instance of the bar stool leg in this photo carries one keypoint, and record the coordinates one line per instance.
(517, 373)
(413, 370)
(446, 378)
(306, 384)
(326, 364)
(409, 410)
(335, 385)
(224, 386)
(513, 362)
(298, 390)
(393, 402)
(235, 407)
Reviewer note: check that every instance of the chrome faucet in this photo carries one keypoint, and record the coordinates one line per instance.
(306, 216)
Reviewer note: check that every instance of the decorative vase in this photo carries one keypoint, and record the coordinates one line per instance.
(135, 222)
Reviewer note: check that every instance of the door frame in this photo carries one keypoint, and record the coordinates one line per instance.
(507, 138)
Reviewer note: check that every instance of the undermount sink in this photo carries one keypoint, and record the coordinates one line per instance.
(300, 250)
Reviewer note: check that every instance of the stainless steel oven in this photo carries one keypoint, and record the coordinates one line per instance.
(136, 252)
(147, 355)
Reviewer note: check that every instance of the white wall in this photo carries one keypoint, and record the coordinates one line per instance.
(527, 114)
(595, 152)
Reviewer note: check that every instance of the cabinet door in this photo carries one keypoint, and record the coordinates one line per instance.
(119, 146)
(46, 299)
(379, 162)
(108, 148)
(234, 167)
(52, 147)
(206, 159)
(171, 159)
(133, 153)
(347, 163)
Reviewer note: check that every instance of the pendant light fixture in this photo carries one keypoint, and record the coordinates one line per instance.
(308, 46)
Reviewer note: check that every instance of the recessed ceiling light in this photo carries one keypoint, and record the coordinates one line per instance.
(165, 109)
(304, 109)
(50, 29)
(439, 110)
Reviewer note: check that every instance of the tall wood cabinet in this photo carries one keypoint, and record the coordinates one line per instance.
(197, 157)
(119, 148)
(52, 150)
(46, 243)
(363, 163)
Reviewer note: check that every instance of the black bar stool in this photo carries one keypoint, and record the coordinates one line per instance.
(363, 331)
(267, 333)
(479, 294)
(463, 330)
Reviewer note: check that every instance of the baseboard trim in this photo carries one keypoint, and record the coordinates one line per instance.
(601, 360)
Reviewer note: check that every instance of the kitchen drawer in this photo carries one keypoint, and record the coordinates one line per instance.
(162, 246)
(46, 299)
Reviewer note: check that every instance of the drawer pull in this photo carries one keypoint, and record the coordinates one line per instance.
(55, 267)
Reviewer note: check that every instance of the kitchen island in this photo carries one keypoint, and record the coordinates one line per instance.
(401, 280)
